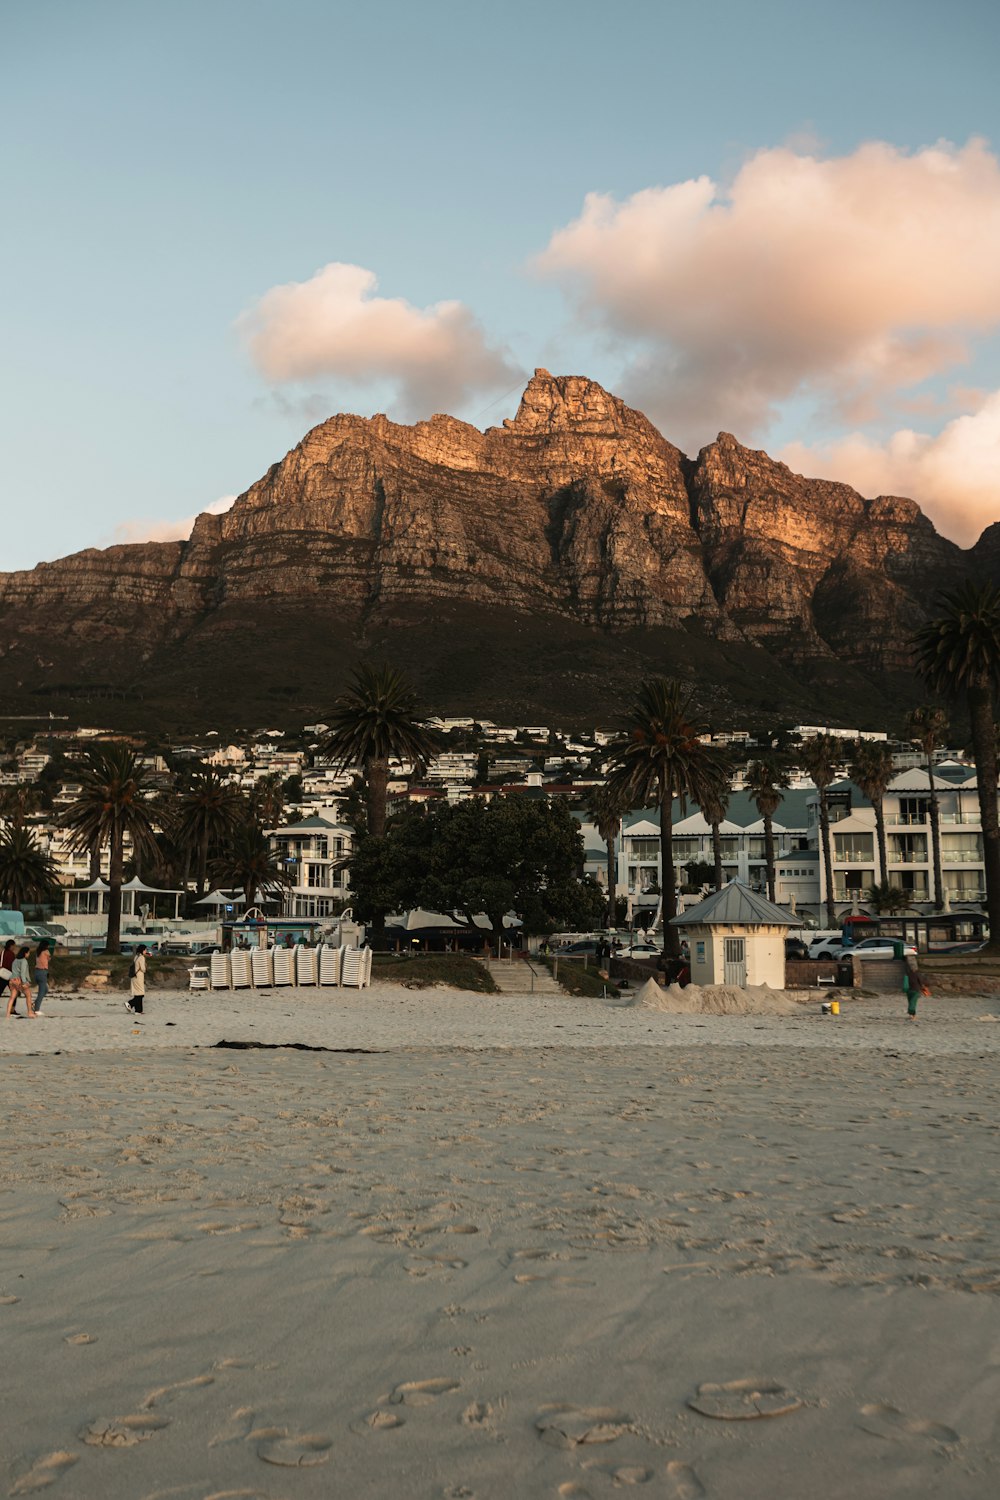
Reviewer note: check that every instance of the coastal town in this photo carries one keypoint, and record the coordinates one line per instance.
(309, 805)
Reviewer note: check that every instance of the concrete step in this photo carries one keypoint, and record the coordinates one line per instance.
(517, 979)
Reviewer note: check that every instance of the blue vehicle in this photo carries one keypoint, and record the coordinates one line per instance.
(11, 924)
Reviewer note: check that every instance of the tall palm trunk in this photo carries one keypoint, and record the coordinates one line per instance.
(202, 860)
(769, 854)
(668, 885)
(824, 834)
(116, 869)
(94, 855)
(984, 743)
(935, 833)
(717, 854)
(883, 856)
(377, 783)
(610, 835)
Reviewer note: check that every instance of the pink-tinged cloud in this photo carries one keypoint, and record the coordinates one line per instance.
(166, 531)
(954, 476)
(334, 325)
(845, 279)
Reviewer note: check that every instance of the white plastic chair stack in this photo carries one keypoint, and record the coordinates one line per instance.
(199, 976)
(329, 964)
(284, 965)
(263, 968)
(357, 967)
(305, 965)
(242, 970)
(220, 975)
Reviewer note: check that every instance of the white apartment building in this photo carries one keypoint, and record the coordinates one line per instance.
(312, 853)
(908, 838)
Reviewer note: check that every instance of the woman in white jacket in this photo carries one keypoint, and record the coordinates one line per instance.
(137, 981)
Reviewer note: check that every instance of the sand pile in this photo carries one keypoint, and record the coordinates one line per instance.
(715, 1000)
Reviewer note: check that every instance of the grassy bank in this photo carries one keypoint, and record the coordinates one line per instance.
(421, 970)
(577, 980)
(72, 971)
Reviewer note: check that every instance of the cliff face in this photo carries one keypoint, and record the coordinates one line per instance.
(575, 516)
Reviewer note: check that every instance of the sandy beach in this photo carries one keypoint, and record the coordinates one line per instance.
(483, 1246)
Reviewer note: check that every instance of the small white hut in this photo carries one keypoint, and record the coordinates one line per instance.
(736, 937)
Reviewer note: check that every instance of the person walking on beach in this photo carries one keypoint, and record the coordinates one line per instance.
(137, 981)
(20, 982)
(914, 985)
(7, 958)
(42, 958)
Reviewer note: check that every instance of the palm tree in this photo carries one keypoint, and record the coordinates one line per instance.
(872, 769)
(928, 726)
(18, 803)
(27, 873)
(714, 805)
(111, 804)
(607, 810)
(207, 813)
(267, 803)
(372, 723)
(248, 861)
(767, 781)
(887, 898)
(958, 655)
(660, 755)
(820, 756)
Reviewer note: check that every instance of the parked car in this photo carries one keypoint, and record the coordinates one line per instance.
(579, 950)
(878, 947)
(796, 948)
(638, 950)
(826, 947)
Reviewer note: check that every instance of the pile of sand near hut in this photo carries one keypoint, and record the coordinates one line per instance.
(715, 1000)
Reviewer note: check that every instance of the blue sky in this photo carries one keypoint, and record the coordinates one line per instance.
(167, 166)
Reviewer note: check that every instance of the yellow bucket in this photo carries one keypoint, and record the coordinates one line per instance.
(835, 1007)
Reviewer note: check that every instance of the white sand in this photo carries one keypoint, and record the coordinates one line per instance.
(498, 1254)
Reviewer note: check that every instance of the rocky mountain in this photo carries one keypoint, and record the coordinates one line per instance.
(538, 568)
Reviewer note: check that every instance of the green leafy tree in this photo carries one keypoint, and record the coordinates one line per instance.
(374, 722)
(27, 874)
(928, 726)
(872, 769)
(496, 857)
(17, 803)
(958, 655)
(699, 872)
(208, 811)
(821, 755)
(767, 782)
(606, 808)
(266, 798)
(659, 756)
(110, 805)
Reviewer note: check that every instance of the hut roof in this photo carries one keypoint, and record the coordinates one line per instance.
(736, 903)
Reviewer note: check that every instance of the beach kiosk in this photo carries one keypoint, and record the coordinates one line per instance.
(737, 937)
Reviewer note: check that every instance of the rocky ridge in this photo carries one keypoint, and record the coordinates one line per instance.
(576, 528)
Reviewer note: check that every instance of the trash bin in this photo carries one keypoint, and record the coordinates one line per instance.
(845, 972)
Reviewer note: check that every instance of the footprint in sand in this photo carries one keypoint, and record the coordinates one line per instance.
(571, 1426)
(423, 1265)
(79, 1338)
(8, 1301)
(887, 1422)
(238, 1427)
(379, 1420)
(623, 1474)
(165, 1394)
(742, 1400)
(421, 1392)
(526, 1278)
(304, 1450)
(123, 1432)
(43, 1472)
(571, 1490)
(682, 1482)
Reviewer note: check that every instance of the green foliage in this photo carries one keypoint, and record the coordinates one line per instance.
(207, 814)
(888, 898)
(699, 873)
(419, 971)
(246, 861)
(506, 855)
(27, 874)
(960, 648)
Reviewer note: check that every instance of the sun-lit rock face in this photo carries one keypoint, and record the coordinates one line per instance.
(576, 509)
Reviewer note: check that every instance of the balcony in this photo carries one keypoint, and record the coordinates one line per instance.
(908, 857)
(907, 820)
(961, 856)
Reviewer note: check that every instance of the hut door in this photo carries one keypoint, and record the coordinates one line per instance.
(735, 971)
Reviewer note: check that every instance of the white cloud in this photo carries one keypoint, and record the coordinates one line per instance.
(953, 475)
(334, 325)
(165, 531)
(847, 279)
